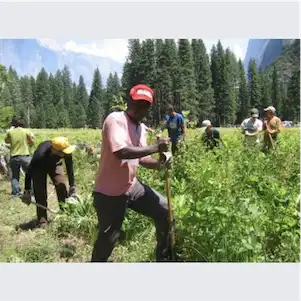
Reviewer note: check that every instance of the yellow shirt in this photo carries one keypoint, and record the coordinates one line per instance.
(17, 138)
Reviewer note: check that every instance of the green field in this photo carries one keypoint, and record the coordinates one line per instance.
(232, 206)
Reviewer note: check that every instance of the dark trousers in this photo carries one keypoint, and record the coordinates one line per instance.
(111, 210)
(174, 147)
(16, 163)
(39, 180)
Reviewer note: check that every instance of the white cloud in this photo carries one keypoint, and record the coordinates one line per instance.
(117, 49)
(238, 46)
(238, 51)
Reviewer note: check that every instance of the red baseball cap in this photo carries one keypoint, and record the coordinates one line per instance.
(142, 92)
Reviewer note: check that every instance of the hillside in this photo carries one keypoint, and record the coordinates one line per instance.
(266, 51)
(289, 62)
(29, 56)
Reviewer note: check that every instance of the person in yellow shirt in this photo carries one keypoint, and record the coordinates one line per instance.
(20, 140)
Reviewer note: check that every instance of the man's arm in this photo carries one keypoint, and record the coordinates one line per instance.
(278, 127)
(164, 126)
(243, 127)
(183, 125)
(70, 170)
(30, 139)
(136, 152)
(150, 163)
(7, 138)
(117, 138)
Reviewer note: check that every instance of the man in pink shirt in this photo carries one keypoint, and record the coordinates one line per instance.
(124, 147)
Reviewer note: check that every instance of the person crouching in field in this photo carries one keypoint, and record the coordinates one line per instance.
(272, 127)
(251, 128)
(47, 160)
(211, 137)
(124, 147)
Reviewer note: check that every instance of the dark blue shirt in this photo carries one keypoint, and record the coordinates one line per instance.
(174, 126)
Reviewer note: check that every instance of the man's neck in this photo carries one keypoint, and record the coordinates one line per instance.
(131, 118)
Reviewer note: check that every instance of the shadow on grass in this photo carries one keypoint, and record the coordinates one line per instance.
(31, 225)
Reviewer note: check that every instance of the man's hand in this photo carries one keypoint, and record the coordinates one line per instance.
(72, 191)
(163, 144)
(26, 197)
(166, 160)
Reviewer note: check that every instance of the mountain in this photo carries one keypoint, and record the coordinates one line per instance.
(28, 56)
(265, 51)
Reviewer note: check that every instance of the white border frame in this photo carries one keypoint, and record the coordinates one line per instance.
(210, 281)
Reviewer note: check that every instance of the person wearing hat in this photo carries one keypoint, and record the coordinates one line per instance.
(210, 136)
(204, 126)
(175, 125)
(124, 148)
(272, 127)
(47, 160)
(251, 128)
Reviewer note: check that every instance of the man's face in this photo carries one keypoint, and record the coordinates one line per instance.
(170, 112)
(209, 130)
(139, 109)
(269, 114)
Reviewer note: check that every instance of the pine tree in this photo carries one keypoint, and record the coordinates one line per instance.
(43, 94)
(163, 81)
(40, 117)
(113, 89)
(67, 83)
(6, 99)
(227, 103)
(95, 109)
(80, 122)
(33, 89)
(63, 120)
(244, 105)
(58, 89)
(276, 99)
(293, 97)
(217, 56)
(205, 93)
(27, 99)
(265, 90)
(51, 117)
(132, 71)
(254, 85)
(187, 79)
(3, 78)
(82, 97)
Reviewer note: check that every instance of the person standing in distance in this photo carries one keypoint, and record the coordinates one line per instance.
(19, 139)
(117, 188)
(272, 127)
(251, 128)
(175, 125)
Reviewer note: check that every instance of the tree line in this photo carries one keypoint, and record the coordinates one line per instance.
(211, 86)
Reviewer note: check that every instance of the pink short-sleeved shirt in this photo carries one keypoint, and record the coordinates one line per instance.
(116, 177)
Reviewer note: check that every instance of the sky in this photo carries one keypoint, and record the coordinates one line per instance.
(117, 49)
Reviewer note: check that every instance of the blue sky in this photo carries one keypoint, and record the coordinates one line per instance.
(117, 48)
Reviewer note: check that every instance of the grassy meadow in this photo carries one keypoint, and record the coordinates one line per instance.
(233, 206)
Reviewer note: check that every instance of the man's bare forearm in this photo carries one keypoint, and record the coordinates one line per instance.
(137, 152)
(150, 163)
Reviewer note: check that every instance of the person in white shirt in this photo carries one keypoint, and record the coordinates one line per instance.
(251, 128)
